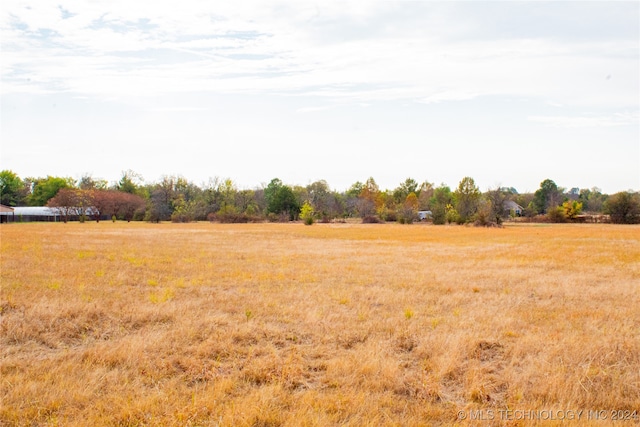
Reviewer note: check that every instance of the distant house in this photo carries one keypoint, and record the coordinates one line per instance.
(28, 214)
(6, 213)
(511, 206)
(424, 215)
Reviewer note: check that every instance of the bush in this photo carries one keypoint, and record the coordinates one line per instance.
(572, 209)
(280, 217)
(482, 219)
(406, 215)
(438, 216)
(486, 216)
(556, 215)
(306, 213)
(233, 218)
(181, 217)
(452, 215)
(391, 216)
(371, 219)
(624, 208)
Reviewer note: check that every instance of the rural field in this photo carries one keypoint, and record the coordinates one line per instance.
(136, 324)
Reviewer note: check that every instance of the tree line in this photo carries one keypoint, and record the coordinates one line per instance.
(174, 198)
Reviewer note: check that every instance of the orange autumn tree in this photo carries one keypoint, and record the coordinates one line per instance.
(369, 199)
(409, 209)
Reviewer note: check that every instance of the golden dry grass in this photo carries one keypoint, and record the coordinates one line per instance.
(282, 324)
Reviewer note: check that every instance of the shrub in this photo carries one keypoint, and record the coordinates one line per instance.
(233, 217)
(306, 213)
(181, 216)
(391, 216)
(572, 209)
(556, 214)
(438, 216)
(452, 215)
(624, 208)
(279, 217)
(486, 215)
(371, 219)
(481, 219)
(406, 216)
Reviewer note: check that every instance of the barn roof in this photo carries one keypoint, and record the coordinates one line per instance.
(6, 209)
(35, 211)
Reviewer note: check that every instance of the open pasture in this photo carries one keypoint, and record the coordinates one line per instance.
(134, 324)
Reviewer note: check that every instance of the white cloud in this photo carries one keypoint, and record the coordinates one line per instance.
(127, 49)
(620, 119)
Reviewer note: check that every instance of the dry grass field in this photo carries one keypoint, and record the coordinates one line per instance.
(134, 324)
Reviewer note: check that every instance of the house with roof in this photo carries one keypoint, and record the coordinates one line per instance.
(6, 213)
(511, 206)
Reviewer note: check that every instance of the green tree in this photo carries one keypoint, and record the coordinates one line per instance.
(10, 188)
(211, 197)
(355, 190)
(592, 200)
(189, 192)
(466, 198)
(228, 192)
(281, 199)
(624, 207)
(442, 197)
(351, 199)
(405, 188)
(183, 211)
(547, 196)
(246, 202)
(130, 182)
(301, 193)
(45, 189)
(270, 192)
(320, 198)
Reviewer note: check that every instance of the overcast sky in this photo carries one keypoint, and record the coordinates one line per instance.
(509, 93)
